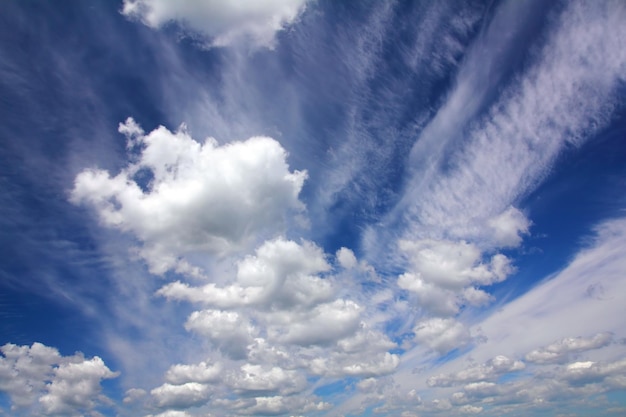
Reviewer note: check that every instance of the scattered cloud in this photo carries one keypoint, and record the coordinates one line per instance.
(376, 280)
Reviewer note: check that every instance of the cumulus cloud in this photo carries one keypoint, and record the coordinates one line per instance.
(443, 274)
(452, 264)
(490, 370)
(229, 330)
(201, 372)
(199, 196)
(75, 386)
(258, 378)
(181, 396)
(560, 350)
(346, 258)
(324, 324)
(441, 335)
(224, 22)
(38, 376)
(282, 274)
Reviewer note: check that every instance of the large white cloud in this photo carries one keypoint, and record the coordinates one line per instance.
(225, 21)
(198, 196)
(38, 378)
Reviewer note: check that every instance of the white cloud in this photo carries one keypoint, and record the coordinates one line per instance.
(277, 405)
(281, 275)
(259, 378)
(565, 305)
(559, 351)
(470, 409)
(497, 161)
(324, 324)
(134, 395)
(229, 330)
(490, 370)
(201, 372)
(201, 196)
(38, 375)
(181, 396)
(441, 334)
(226, 22)
(453, 264)
(588, 372)
(75, 386)
(24, 371)
(556, 309)
(442, 274)
(346, 258)
(171, 413)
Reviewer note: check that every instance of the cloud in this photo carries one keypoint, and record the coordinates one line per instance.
(324, 324)
(75, 386)
(224, 22)
(197, 197)
(551, 365)
(490, 370)
(38, 376)
(561, 306)
(201, 372)
(281, 275)
(171, 413)
(560, 350)
(441, 335)
(276, 405)
(498, 159)
(181, 396)
(228, 330)
(588, 372)
(251, 378)
(442, 274)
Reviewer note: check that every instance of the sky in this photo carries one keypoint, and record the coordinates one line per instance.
(312, 208)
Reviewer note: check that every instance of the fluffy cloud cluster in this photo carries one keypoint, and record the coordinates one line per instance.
(225, 22)
(179, 196)
(572, 382)
(443, 276)
(280, 317)
(37, 377)
(269, 320)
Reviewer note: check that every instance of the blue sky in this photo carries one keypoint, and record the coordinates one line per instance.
(312, 208)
